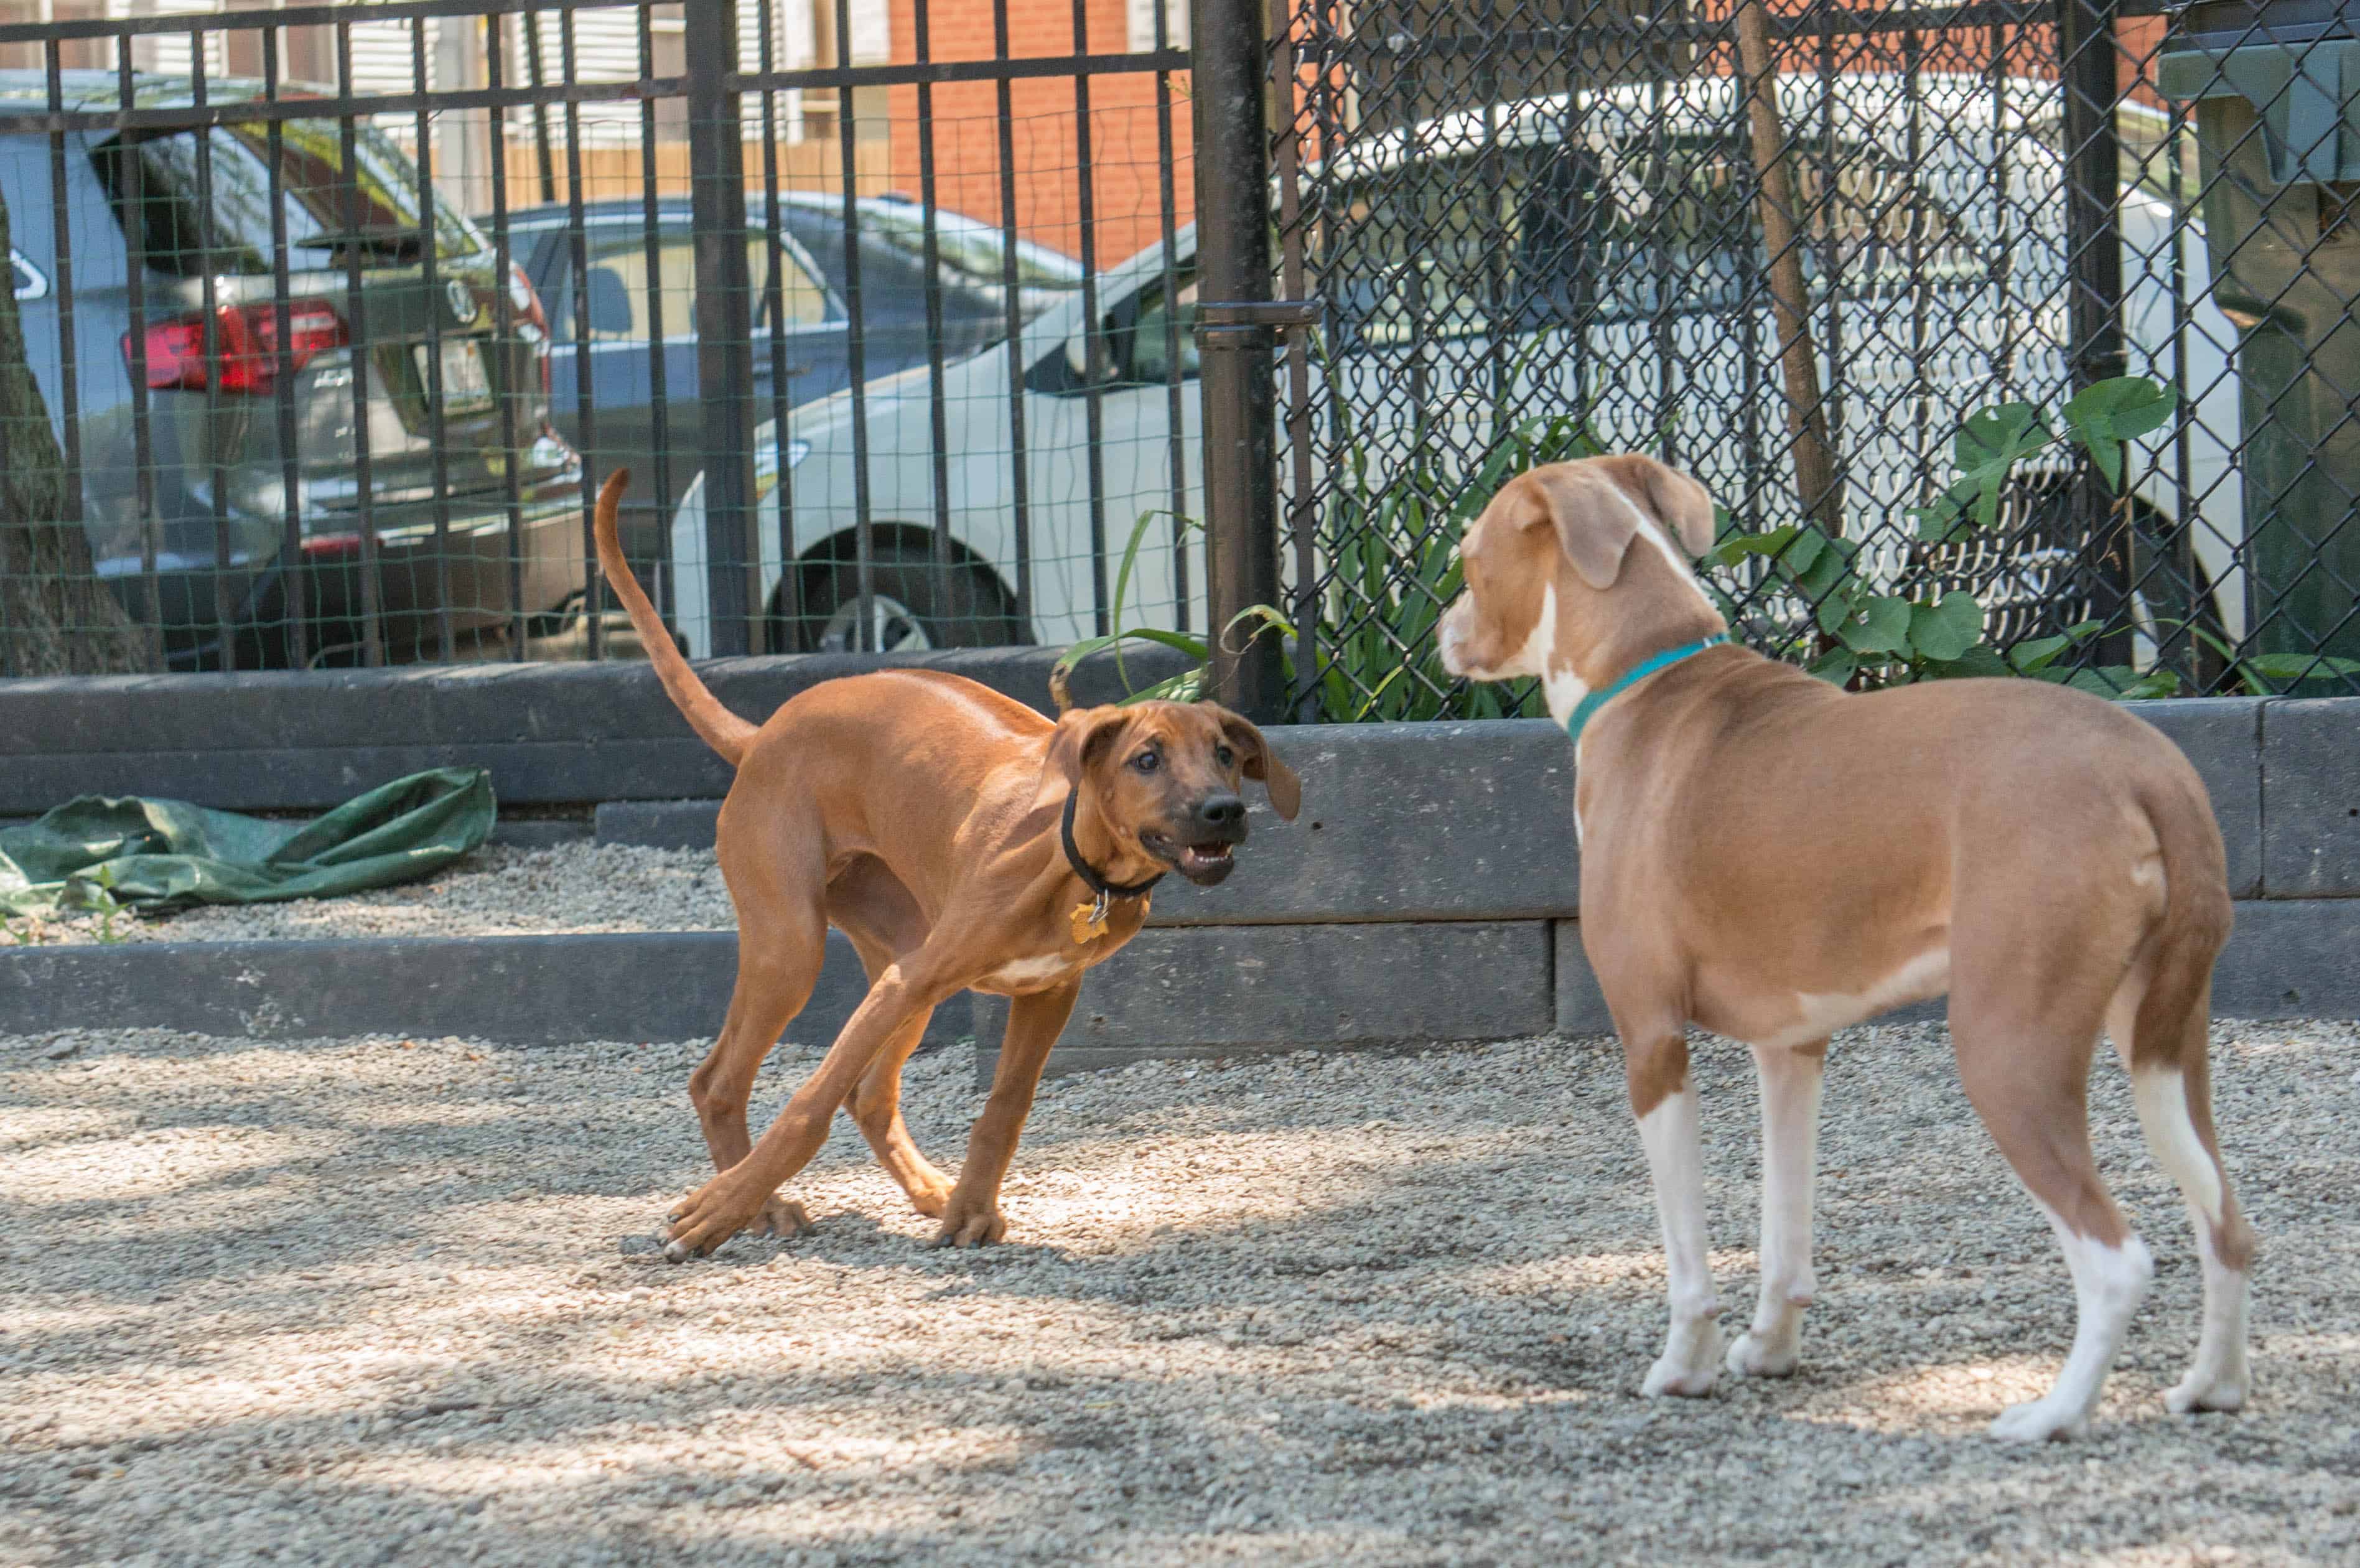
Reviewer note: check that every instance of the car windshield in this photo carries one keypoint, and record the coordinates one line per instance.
(1553, 231)
(967, 246)
(157, 177)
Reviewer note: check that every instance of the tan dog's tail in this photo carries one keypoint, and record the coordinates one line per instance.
(716, 725)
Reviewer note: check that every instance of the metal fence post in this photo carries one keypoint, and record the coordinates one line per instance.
(2094, 249)
(725, 321)
(1236, 349)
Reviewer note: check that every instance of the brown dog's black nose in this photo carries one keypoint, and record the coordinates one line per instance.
(1220, 811)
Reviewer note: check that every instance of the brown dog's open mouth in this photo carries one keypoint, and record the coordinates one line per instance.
(1203, 864)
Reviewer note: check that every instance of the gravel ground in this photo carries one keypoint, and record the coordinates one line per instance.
(378, 1300)
(497, 891)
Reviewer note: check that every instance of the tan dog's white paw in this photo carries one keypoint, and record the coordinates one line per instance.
(2205, 1391)
(1753, 1356)
(2040, 1421)
(1689, 1364)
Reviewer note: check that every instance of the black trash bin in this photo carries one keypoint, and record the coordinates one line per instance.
(2275, 86)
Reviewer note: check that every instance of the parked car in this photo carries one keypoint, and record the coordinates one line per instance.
(215, 476)
(1989, 282)
(624, 301)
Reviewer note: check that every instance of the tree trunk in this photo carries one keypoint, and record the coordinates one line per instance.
(56, 617)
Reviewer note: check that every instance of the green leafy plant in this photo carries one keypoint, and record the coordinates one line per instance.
(1860, 635)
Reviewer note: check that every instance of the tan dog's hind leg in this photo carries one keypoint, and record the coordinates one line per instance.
(1656, 1062)
(1034, 1022)
(2171, 1084)
(2027, 1075)
(1790, 1081)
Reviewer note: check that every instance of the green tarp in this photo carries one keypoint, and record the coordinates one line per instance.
(166, 855)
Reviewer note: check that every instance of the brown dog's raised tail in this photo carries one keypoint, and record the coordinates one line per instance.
(714, 725)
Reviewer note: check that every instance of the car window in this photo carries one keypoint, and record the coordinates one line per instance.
(969, 250)
(620, 286)
(1153, 328)
(152, 183)
(1555, 233)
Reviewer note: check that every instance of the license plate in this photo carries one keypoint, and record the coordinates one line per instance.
(466, 387)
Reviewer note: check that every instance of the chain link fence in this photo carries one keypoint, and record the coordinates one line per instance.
(1798, 249)
(328, 322)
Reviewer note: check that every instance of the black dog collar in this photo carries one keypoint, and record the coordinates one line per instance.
(1107, 892)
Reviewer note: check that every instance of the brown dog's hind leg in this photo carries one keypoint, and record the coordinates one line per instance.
(734, 1199)
(1035, 1022)
(877, 1111)
(782, 942)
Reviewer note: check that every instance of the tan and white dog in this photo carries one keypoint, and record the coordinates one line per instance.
(2044, 857)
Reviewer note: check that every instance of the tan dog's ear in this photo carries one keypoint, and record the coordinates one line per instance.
(1680, 503)
(1083, 736)
(1595, 522)
(1260, 762)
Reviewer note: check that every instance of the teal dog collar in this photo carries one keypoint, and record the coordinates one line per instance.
(1587, 708)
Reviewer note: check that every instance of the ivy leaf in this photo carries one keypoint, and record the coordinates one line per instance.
(1880, 625)
(1819, 581)
(2298, 666)
(1980, 661)
(1946, 631)
(1736, 547)
(1998, 435)
(1836, 666)
(2105, 414)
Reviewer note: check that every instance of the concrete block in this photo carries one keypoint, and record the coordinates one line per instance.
(1470, 821)
(1232, 989)
(2223, 737)
(2285, 959)
(659, 823)
(553, 733)
(2290, 958)
(2311, 798)
(543, 990)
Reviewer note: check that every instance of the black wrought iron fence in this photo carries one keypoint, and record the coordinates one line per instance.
(1798, 249)
(329, 321)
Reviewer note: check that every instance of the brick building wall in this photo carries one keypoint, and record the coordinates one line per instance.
(1126, 182)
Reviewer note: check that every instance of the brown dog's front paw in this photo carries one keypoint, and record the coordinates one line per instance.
(970, 1224)
(719, 1210)
(931, 1198)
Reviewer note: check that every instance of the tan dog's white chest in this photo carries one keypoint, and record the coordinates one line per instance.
(1819, 1015)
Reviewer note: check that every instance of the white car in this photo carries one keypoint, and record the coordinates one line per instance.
(1953, 298)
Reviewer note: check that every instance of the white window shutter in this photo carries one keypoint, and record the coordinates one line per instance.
(1142, 16)
(872, 31)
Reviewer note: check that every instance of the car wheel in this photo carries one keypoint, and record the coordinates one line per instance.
(2030, 575)
(916, 605)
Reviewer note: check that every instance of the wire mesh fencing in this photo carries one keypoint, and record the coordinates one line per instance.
(330, 322)
(1836, 262)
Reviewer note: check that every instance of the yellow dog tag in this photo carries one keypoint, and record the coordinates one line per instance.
(1089, 921)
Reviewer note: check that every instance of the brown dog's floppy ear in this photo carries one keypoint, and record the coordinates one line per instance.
(1595, 524)
(1260, 762)
(1680, 503)
(1082, 737)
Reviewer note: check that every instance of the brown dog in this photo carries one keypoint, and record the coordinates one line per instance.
(963, 842)
(1772, 859)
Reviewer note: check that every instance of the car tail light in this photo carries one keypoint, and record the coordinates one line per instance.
(526, 302)
(246, 345)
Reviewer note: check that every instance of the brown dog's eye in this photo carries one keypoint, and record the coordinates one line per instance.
(1147, 762)
(1224, 756)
